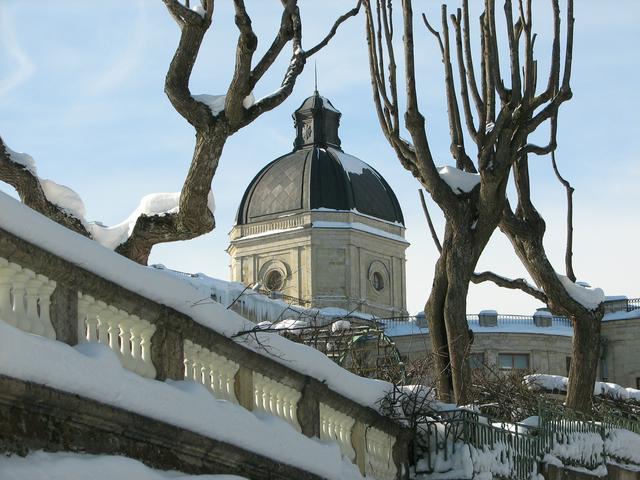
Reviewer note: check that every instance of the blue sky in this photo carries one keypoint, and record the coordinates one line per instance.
(81, 90)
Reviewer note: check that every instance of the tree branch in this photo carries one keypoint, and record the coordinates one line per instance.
(30, 191)
(434, 234)
(514, 284)
(568, 256)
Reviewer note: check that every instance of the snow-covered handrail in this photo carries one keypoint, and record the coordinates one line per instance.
(127, 335)
(137, 313)
(25, 298)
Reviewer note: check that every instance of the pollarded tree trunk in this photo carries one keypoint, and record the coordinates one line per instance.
(525, 229)
(585, 353)
(446, 308)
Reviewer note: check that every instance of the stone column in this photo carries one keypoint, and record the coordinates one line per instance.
(63, 312)
(167, 348)
(309, 411)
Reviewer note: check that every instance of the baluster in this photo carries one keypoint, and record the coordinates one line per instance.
(257, 391)
(229, 379)
(136, 344)
(113, 329)
(32, 288)
(103, 325)
(83, 307)
(44, 302)
(93, 311)
(145, 344)
(126, 352)
(18, 292)
(188, 355)
(280, 401)
(7, 274)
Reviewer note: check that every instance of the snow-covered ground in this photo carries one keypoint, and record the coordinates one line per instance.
(93, 371)
(41, 465)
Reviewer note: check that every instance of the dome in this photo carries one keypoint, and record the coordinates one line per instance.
(317, 174)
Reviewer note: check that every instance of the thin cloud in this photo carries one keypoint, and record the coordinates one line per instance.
(22, 68)
(122, 68)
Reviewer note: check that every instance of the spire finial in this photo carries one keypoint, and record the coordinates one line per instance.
(315, 71)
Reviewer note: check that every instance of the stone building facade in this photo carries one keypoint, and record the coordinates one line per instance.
(321, 225)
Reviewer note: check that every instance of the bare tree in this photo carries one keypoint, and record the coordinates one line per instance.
(213, 128)
(499, 113)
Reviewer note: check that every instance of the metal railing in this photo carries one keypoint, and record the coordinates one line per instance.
(519, 448)
(633, 304)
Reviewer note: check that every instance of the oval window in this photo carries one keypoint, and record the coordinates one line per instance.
(377, 282)
(274, 280)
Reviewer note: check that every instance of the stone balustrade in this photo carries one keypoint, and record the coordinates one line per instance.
(25, 299)
(127, 335)
(379, 455)
(214, 371)
(276, 398)
(47, 295)
(337, 426)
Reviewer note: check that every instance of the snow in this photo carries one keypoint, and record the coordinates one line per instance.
(150, 205)
(621, 315)
(294, 326)
(39, 465)
(558, 382)
(188, 295)
(625, 445)
(216, 102)
(65, 198)
(410, 327)
(355, 212)
(23, 159)
(93, 371)
(271, 232)
(589, 297)
(352, 165)
(339, 325)
(360, 227)
(459, 181)
(199, 9)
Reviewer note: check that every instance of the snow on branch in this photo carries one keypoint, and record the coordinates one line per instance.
(590, 298)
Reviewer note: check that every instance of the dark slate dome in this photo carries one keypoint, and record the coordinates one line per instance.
(317, 175)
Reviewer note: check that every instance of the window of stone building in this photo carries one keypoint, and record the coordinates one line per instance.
(377, 282)
(568, 364)
(519, 361)
(476, 360)
(274, 280)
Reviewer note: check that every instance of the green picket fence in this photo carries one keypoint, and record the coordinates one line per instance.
(516, 446)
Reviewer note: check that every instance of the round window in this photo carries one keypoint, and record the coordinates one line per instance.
(274, 280)
(377, 282)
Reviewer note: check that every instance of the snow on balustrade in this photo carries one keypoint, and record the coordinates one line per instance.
(379, 455)
(214, 371)
(25, 297)
(127, 335)
(337, 426)
(276, 398)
